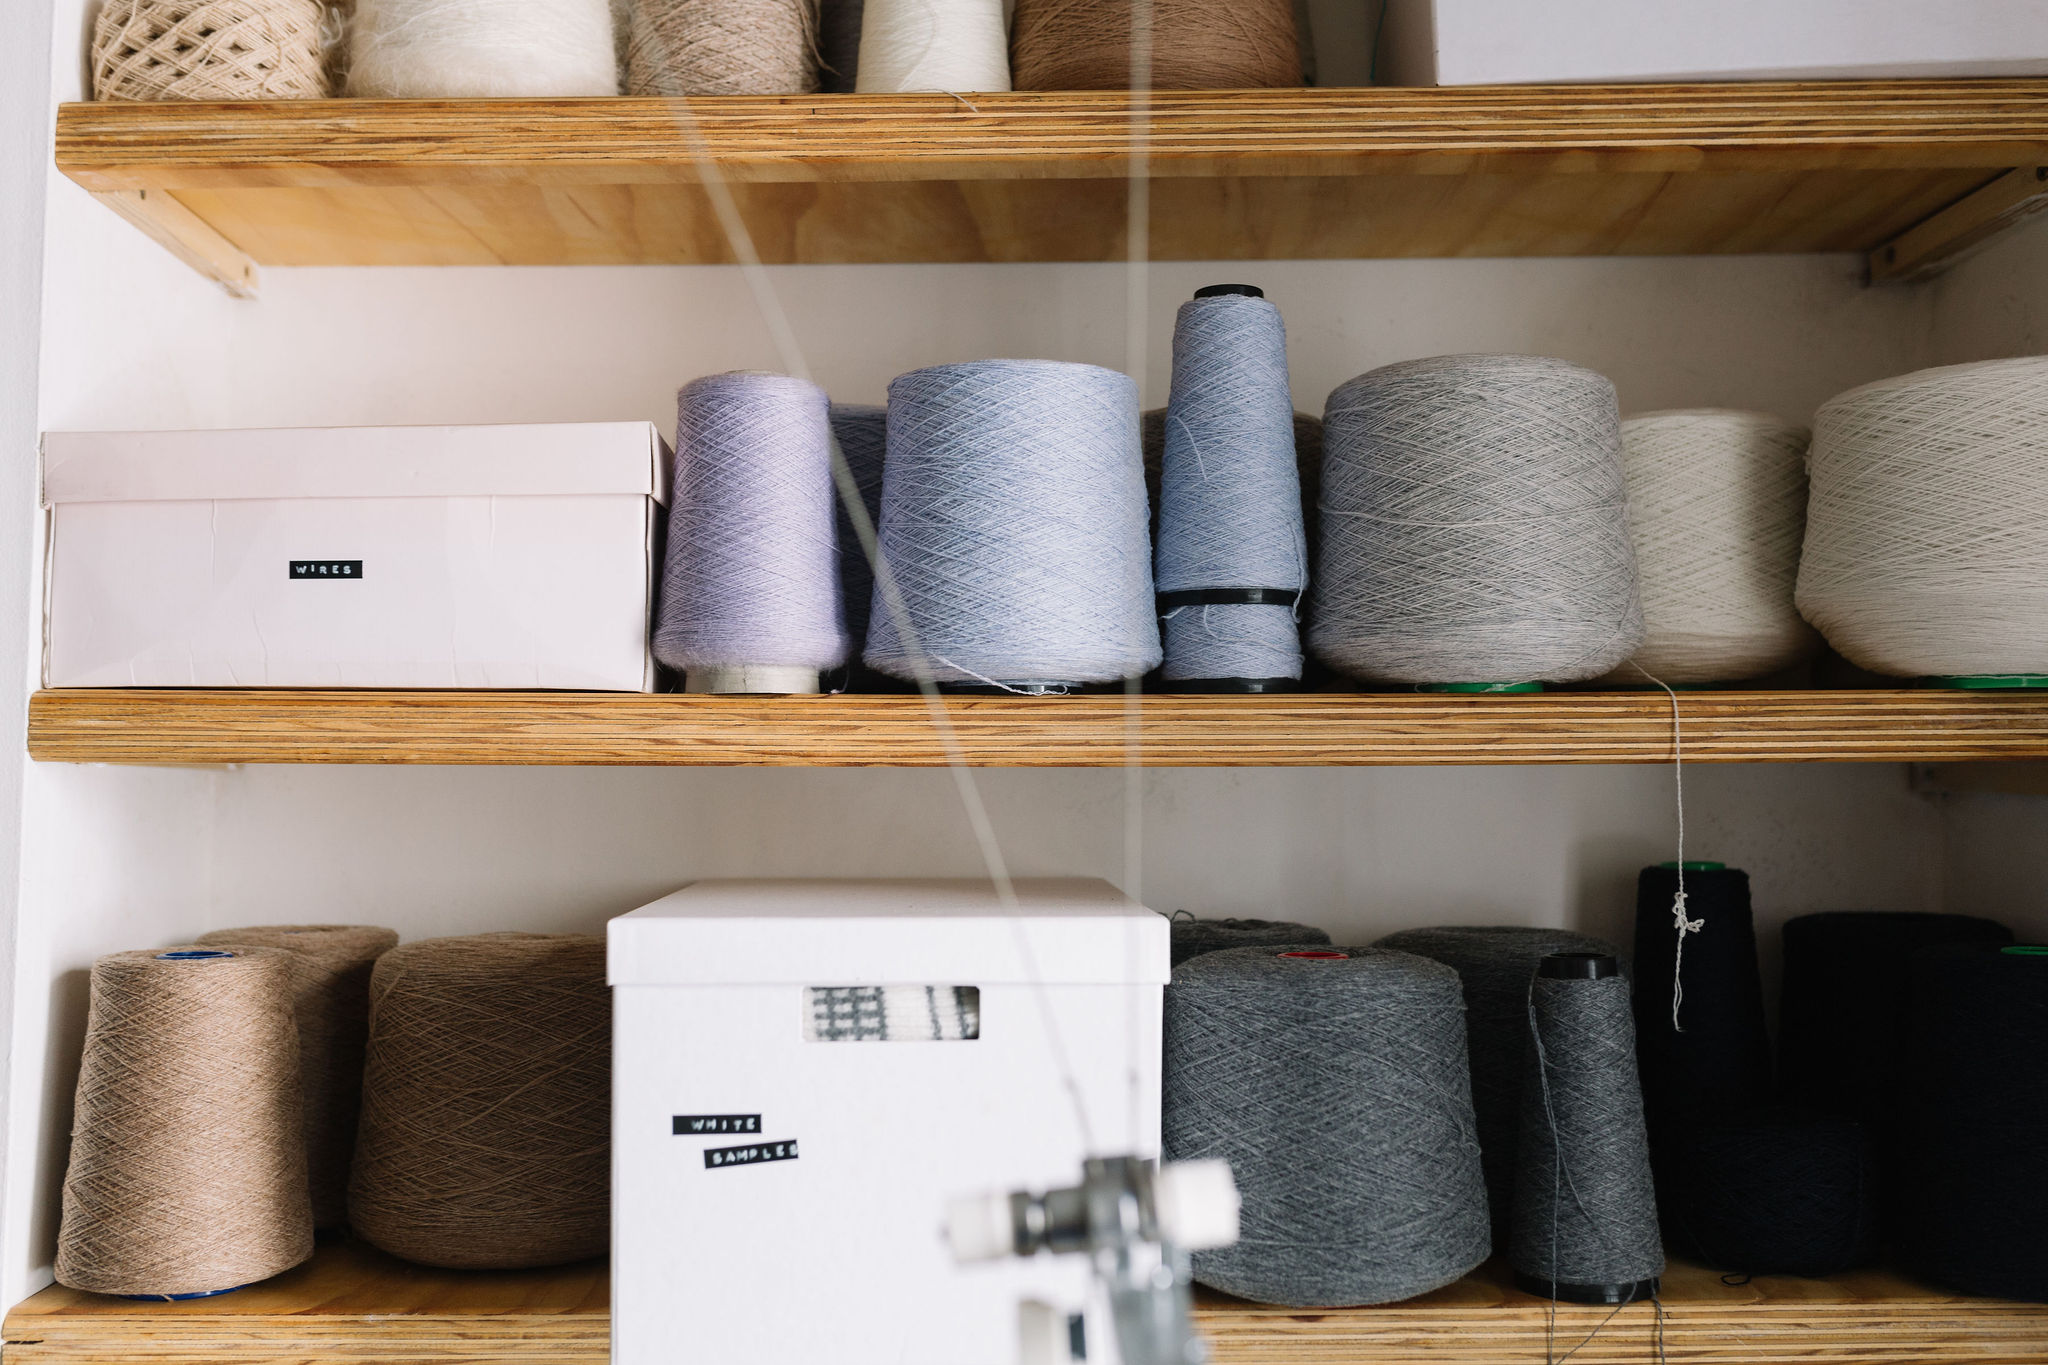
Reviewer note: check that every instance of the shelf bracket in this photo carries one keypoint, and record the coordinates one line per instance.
(1934, 244)
(187, 236)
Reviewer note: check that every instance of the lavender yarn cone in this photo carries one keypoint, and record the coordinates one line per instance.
(749, 596)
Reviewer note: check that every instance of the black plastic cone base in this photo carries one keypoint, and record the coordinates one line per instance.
(1638, 1291)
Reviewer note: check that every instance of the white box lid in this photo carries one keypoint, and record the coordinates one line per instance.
(557, 458)
(1079, 930)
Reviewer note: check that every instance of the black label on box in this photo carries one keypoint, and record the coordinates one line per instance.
(750, 1155)
(327, 568)
(695, 1125)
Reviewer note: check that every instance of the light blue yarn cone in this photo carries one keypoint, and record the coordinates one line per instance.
(1230, 498)
(1013, 521)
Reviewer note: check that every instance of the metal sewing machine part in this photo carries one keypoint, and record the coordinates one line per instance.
(1136, 1221)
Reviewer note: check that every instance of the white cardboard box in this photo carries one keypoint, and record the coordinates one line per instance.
(491, 556)
(1502, 42)
(820, 1240)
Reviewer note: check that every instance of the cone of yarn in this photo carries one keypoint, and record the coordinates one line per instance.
(1976, 1097)
(1771, 1192)
(862, 431)
(1334, 1083)
(1495, 966)
(749, 596)
(1716, 1061)
(188, 1160)
(481, 49)
(208, 50)
(486, 1131)
(1308, 464)
(1193, 937)
(839, 23)
(1474, 525)
(722, 47)
(331, 1004)
(1585, 1210)
(1013, 522)
(1232, 555)
(1717, 511)
(957, 46)
(1193, 44)
(1927, 526)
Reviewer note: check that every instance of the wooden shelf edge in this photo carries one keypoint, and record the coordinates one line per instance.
(352, 1304)
(177, 726)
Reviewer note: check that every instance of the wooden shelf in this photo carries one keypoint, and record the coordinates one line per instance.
(1314, 729)
(352, 1304)
(1506, 171)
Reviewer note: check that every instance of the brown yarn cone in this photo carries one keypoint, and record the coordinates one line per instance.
(331, 1001)
(486, 1133)
(187, 1171)
(722, 47)
(1196, 44)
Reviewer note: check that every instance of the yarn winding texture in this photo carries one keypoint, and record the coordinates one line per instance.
(1230, 500)
(1585, 1208)
(481, 49)
(957, 46)
(1474, 525)
(1772, 1192)
(331, 1005)
(1337, 1090)
(1495, 966)
(839, 24)
(486, 1133)
(1717, 512)
(751, 573)
(1193, 937)
(188, 1156)
(722, 47)
(1013, 521)
(209, 50)
(1927, 528)
(1195, 44)
(862, 431)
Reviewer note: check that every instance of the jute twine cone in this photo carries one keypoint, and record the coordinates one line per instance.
(486, 1131)
(188, 1170)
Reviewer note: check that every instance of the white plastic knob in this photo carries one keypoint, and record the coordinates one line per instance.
(1198, 1204)
(978, 1227)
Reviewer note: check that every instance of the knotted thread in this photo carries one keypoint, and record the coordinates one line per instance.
(1927, 529)
(331, 1004)
(486, 1133)
(481, 49)
(1192, 44)
(1193, 937)
(1495, 966)
(957, 46)
(1013, 520)
(1337, 1090)
(1230, 502)
(208, 50)
(751, 577)
(1717, 510)
(1474, 524)
(722, 47)
(1585, 1210)
(188, 1159)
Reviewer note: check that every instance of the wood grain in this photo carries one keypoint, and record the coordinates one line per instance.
(351, 1304)
(173, 726)
(1298, 174)
(1939, 241)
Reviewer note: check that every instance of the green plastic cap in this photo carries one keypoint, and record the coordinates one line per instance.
(1992, 682)
(2026, 950)
(1480, 687)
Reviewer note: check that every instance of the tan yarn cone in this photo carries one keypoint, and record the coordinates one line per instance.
(486, 1133)
(1196, 44)
(188, 1172)
(331, 1001)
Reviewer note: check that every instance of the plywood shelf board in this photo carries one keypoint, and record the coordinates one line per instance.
(1374, 172)
(353, 1304)
(175, 726)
